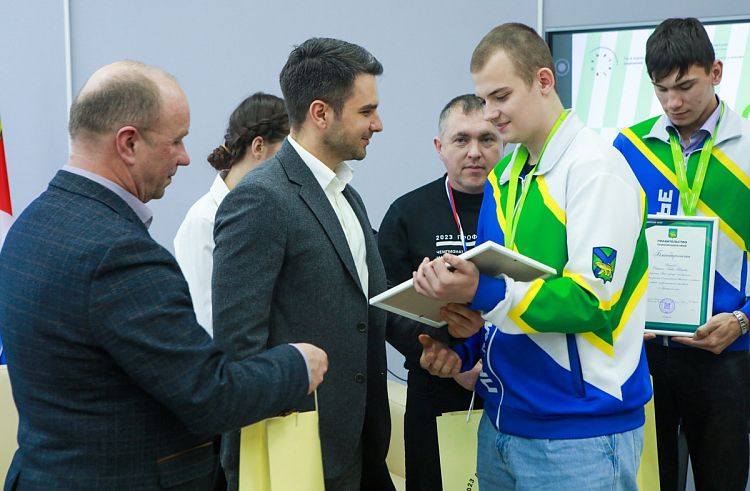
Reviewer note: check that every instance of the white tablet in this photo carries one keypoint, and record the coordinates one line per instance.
(492, 260)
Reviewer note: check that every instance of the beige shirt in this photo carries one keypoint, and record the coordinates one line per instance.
(333, 184)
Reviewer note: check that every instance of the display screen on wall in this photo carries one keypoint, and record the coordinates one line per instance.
(601, 73)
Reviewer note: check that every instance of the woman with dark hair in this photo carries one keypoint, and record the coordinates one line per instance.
(256, 130)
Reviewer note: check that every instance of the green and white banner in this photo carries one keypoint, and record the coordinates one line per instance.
(610, 87)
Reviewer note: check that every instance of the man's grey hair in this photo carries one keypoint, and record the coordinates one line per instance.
(469, 104)
(129, 97)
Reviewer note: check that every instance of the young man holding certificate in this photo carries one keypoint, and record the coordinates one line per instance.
(693, 160)
(565, 377)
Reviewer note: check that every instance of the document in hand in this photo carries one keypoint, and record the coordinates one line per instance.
(490, 258)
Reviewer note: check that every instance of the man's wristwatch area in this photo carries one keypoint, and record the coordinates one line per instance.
(741, 320)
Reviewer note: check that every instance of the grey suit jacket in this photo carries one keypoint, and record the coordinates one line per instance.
(116, 384)
(283, 272)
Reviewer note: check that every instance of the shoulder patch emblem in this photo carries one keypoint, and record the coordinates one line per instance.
(603, 263)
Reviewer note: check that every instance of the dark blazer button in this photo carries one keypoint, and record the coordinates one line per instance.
(359, 378)
(361, 327)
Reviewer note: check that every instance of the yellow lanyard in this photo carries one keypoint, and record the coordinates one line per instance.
(513, 211)
(690, 198)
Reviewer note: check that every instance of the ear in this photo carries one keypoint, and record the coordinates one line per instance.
(717, 70)
(321, 114)
(256, 147)
(127, 139)
(546, 80)
(439, 147)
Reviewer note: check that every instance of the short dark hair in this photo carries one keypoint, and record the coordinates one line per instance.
(524, 47)
(468, 103)
(678, 44)
(323, 69)
(261, 115)
(129, 98)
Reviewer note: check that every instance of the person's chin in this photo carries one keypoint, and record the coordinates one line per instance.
(681, 119)
(475, 181)
(510, 136)
(158, 194)
(360, 155)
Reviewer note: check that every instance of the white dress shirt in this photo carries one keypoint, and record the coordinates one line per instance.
(333, 184)
(194, 249)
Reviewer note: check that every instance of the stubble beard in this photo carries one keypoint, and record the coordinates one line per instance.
(343, 146)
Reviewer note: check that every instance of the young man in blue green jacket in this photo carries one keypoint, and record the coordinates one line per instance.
(700, 383)
(565, 377)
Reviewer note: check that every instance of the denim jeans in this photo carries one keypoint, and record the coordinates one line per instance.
(506, 462)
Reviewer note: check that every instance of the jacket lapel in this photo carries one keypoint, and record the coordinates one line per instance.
(374, 263)
(315, 198)
(86, 187)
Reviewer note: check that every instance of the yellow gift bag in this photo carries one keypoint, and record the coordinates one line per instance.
(282, 454)
(457, 441)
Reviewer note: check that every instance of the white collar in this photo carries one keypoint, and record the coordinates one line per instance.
(328, 179)
(730, 127)
(219, 189)
(140, 209)
(557, 145)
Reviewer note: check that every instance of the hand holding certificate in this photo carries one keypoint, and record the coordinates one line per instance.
(682, 261)
(716, 334)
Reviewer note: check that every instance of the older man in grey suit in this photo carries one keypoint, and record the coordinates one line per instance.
(116, 384)
(296, 258)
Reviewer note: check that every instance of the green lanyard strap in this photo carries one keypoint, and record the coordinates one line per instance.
(690, 198)
(513, 210)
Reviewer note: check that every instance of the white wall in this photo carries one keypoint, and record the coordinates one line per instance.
(33, 104)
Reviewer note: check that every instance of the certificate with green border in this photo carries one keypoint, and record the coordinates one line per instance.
(681, 265)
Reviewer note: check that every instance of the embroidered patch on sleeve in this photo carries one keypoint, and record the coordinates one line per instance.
(603, 263)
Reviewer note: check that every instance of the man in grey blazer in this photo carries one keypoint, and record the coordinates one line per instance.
(296, 258)
(117, 386)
